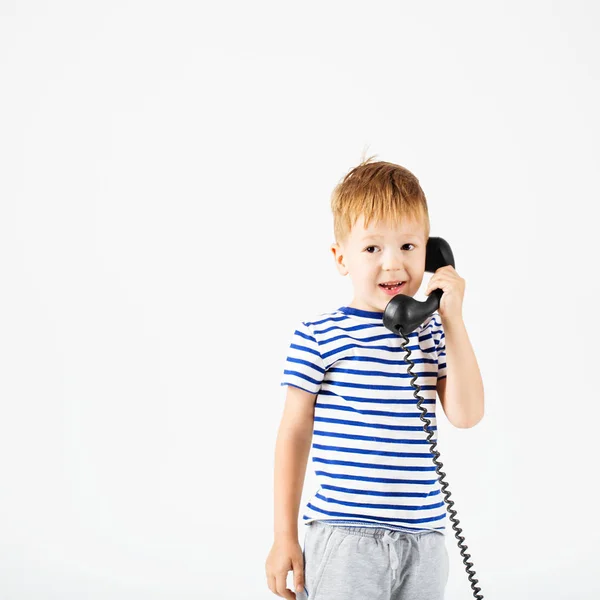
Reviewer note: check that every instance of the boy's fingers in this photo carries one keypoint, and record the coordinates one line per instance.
(298, 574)
(272, 583)
(281, 588)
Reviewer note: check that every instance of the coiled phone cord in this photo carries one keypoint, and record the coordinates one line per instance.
(440, 473)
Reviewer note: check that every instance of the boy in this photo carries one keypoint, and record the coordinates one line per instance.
(376, 526)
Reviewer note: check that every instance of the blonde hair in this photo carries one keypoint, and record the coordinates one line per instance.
(380, 190)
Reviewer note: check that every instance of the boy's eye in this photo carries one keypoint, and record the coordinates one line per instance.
(367, 248)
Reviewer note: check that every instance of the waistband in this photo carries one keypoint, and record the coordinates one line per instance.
(377, 532)
(387, 536)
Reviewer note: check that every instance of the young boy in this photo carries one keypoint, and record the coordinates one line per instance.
(376, 526)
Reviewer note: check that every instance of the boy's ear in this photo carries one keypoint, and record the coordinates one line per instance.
(338, 257)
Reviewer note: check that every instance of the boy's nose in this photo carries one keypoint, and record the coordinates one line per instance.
(393, 262)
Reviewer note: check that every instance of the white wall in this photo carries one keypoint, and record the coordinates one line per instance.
(166, 171)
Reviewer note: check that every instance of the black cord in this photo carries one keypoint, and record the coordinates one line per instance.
(440, 473)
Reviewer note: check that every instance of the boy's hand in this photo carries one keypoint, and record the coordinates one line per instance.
(285, 555)
(453, 285)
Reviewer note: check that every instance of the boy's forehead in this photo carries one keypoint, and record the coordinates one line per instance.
(407, 226)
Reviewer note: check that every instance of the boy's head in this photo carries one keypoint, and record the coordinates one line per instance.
(383, 200)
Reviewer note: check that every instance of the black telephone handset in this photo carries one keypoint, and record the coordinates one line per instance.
(404, 312)
(402, 315)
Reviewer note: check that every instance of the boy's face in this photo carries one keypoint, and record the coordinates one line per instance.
(380, 254)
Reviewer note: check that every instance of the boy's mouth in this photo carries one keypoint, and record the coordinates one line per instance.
(392, 287)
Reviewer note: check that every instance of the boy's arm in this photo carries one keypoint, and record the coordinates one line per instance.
(291, 455)
(463, 400)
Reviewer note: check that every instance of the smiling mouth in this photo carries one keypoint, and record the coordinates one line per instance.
(392, 287)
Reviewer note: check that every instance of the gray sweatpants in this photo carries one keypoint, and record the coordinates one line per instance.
(365, 563)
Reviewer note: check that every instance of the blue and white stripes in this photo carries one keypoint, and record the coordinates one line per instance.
(369, 450)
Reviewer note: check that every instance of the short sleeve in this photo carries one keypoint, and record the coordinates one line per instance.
(440, 342)
(304, 367)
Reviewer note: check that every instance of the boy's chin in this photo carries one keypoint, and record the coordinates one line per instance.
(385, 300)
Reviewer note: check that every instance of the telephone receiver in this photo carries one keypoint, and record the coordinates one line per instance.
(404, 312)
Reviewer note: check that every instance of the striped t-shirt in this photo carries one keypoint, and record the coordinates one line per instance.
(370, 452)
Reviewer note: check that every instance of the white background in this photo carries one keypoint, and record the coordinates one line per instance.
(166, 170)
